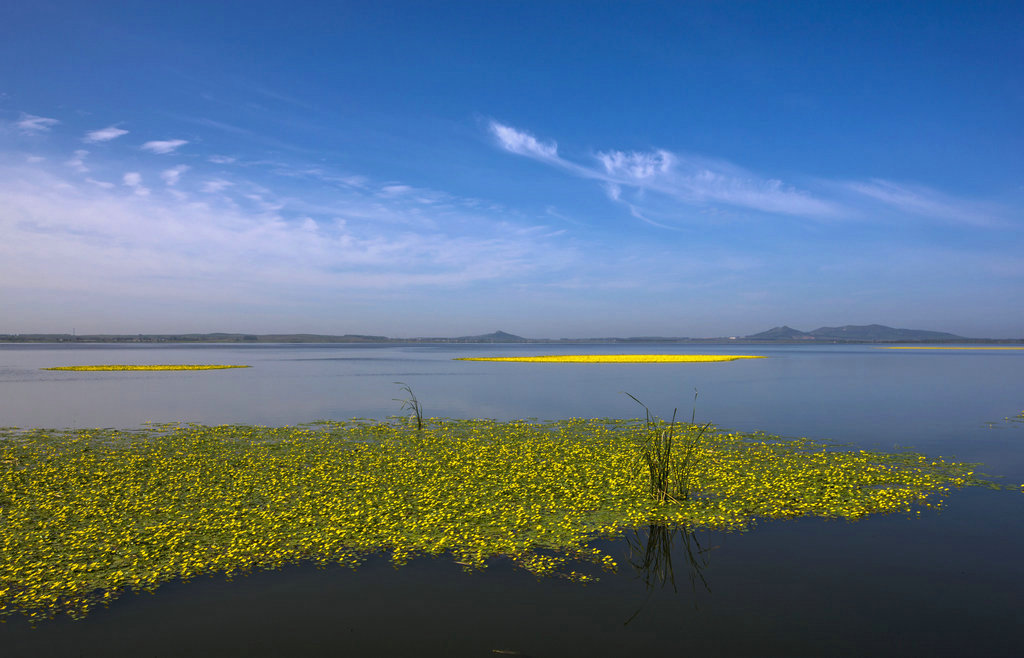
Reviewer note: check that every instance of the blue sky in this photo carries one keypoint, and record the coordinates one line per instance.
(552, 169)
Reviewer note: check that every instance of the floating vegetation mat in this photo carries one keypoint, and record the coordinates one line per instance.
(89, 513)
(147, 368)
(615, 358)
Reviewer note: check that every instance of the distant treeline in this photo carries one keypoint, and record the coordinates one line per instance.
(188, 338)
(781, 335)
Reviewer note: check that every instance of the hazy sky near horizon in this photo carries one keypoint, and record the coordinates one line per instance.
(551, 169)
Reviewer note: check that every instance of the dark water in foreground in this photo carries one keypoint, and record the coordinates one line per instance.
(946, 582)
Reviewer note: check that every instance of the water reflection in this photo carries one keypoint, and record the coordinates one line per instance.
(651, 552)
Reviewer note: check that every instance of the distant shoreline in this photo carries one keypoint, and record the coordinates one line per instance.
(250, 339)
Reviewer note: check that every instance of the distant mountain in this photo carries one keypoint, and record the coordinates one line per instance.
(850, 332)
(880, 332)
(495, 337)
(781, 333)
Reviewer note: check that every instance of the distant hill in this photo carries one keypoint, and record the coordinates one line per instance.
(850, 332)
(495, 337)
(781, 333)
(880, 332)
(189, 338)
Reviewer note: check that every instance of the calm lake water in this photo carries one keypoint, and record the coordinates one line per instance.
(946, 582)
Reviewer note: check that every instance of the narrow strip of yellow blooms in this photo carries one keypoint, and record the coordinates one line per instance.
(615, 358)
(147, 368)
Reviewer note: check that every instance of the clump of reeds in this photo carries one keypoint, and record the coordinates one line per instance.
(411, 403)
(670, 457)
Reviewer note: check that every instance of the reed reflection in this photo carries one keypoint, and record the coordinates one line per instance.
(651, 554)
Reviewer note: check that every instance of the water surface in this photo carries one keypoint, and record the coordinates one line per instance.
(942, 583)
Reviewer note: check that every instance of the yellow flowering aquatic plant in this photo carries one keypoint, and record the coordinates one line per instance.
(614, 358)
(146, 368)
(89, 513)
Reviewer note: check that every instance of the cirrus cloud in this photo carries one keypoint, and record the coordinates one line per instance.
(163, 147)
(163, 240)
(523, 143)
(173, 175)
(133, 179)
(667, 185)
(33, 125)
(77, 161)
(104, 134)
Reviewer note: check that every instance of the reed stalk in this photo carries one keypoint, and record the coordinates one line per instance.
(411, 403)
(670, 458)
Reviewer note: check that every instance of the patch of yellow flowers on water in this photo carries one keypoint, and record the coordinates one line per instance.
(615, 358)
(89, 513)
(146, 368)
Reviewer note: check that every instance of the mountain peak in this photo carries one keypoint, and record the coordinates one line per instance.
(495, 337)
(780, 333)
(854, 332)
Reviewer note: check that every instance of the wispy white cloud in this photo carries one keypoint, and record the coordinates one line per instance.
(552, 211)
(104, 134)
(690, 180)
(924, 202)
(221, 159)
(317, 239)
(165, 146)
(636, 166)
(131, 243)
(34, 125)
(269, 93)
(669, 185)
(247, 135)
(523, 143)
(216, 185)
(133, 179)
(77, 161)
(173, 175)
(219, 125)
(353, 181)
(636, 212)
